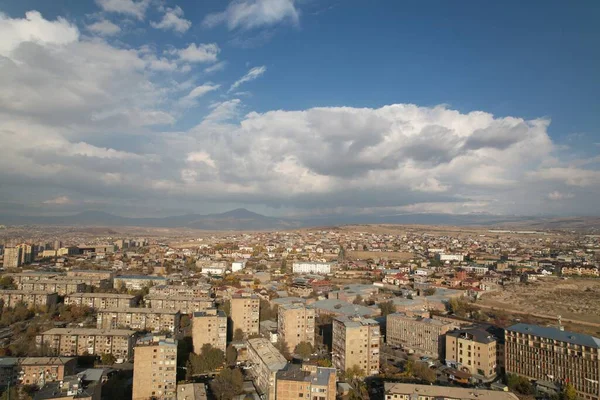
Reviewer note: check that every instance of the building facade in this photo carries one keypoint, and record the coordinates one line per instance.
(30, 298)
(265, 360)
(155, 369)
(209, 327)
(411, 391)
(296, 324)
(551, 354)
(101, 300)
(183, 304)
(84, 341)
(245, 313)
(53, 285)
(308, 382)
(356, 342)
(311, 267)
(473, 351)
(141, 319)
(12, 257)
(423, 335)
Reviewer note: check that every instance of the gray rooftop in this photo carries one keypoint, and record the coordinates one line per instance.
(344, 308)
(556, 334)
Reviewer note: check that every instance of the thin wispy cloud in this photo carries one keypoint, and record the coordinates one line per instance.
(249, 14)
(253, 74)
(173, 20)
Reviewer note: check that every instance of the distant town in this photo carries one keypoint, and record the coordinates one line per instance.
(352, 312)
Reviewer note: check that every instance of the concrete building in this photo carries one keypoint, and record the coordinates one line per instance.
(411, 391)
(86, 385)
(82, 341)
(450, 257)
(12, 257)
(551, 354)
(191, 391)
(142, 319)
(296, 324)
(101, 300)
(183, 304)
(137, 282)
(266, 360)
(311, 267)
(214, 270)
(209, 327)
(309, 382)
(92, 274)
(21, 277)
(238, 266)
(423, 335)
(35, 370)
(155, 369)
(245, 313)
(473, 351)
(30, 298)
(59, 286)
(198, 290)
(356, 342)
(26, 253)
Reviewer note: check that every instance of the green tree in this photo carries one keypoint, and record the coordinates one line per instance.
(238, 335)
(228, 384)
(422, 371)
(209, 360)
(358, 300)
(568, 392)
(429, 291)
(283, 349)
(225, 307)
(266, 311)
(519, 384)
(107, 359)
(355, 372)
(387, 307)
(304, 349)
(231, 355)
(6, 282)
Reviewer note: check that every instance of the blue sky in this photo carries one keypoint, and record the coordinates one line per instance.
(504, 114)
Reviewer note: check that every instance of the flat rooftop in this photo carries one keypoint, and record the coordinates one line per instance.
(89, 332)
(446, 392)
(556, 334)
(268, 354)
(138, 310)
(105, 295)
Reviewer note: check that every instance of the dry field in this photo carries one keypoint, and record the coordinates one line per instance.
(577, 301)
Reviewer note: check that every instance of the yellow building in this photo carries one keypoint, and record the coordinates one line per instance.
(308, 382)
(155, 369)
(209, 327)
(472, 351)
(356, 342)
(245, 313)
(296, 324)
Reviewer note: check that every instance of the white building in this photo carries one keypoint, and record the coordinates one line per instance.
(238, 266)
(214, 270)
(311, 267)
(450, 257)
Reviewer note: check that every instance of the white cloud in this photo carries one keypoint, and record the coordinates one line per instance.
(556, 195)
(197, 92)
(248, 14)
(34, 28)
(202, 53)
(61, 200)
(216, 67)
(128, 7)
(104, 28)
(569, 176)
(173, 19)
(254, 73)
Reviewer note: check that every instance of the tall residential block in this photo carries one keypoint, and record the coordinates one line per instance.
(423, 335)
(308, 382)
(356, 342)
(245, 313)
(12, 257)
(296, 324)
(472, 351)
(209, 327)
(26, 253)
(101, 300)
(155, 368)
(266, 360)
(552, 354)
(143, 319)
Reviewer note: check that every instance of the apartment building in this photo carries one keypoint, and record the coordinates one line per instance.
(580, 270)
(310, 382)
(209, 327)
(312, 267)
(296, 324)
(21, 277)
(411, 391)
(35, 370)
(155, 369)
(191, 391)
(552, 354)
(142, 319)
(473, 351)
(199, 290)
(183, 304)
(82, 341)
(266, 360)
(53, 285)
(356, 342)
(92, 274)
(26, 253)
(12, 257)
(423, 335)
(245, 313)
(137, 282)
(101, 300)
(100, 283)
(30, 298)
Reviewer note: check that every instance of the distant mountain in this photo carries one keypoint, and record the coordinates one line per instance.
(239, 219)
(242, 219)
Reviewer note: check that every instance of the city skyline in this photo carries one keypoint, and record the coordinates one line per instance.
(299, 108)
